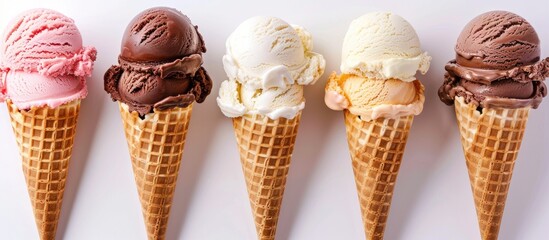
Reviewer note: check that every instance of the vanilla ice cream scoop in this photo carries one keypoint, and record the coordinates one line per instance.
(382, 45)
(268, 61)
(267, 52)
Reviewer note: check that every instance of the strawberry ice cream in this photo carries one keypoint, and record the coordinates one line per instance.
(43, 61)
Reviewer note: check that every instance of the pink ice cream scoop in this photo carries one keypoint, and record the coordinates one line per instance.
(43, 60)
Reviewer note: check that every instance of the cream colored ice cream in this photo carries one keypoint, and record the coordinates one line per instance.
(268, 61)
(382, 45)
(381, 56)
(236, 100)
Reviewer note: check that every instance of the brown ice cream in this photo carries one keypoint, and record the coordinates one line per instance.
(497, 40)
(160, 63)
(497, 64)
(160, 34)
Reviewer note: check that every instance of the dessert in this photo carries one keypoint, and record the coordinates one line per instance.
(268, 61)
(159, 77)
(379, 94)
(496, 78)
(44, 69)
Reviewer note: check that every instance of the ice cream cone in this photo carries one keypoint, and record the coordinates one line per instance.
(265, 147)
(156, 145)
(45, 137)
(376, 149)
(491, 141)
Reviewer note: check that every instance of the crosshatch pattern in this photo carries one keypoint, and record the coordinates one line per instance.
(156, 147)
(45, 138)
(265, 147)
(491, 142)
(376, 149)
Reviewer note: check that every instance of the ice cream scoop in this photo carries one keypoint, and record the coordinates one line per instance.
(160, 63)
(497, 40)
(380, 58)
(383, 45)
(268, 61)
(373, 99)
(160, 34)
(497, 64)
(43, 60)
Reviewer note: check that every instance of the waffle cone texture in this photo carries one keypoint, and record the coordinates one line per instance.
(265, 147)
(491, 141)
(156, 146)
(45, 138)
(376, 149)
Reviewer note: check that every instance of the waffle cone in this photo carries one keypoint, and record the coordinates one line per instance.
(265, 147)
(156, 145)
(45, 137)
(491, 142)
(376, 149)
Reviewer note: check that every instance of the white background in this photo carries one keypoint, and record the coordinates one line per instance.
(432, 198)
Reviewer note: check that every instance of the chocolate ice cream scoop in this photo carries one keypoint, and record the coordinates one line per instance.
(497, 64)
(159, 64)
(497, 40)
(160, 34)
